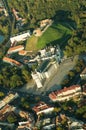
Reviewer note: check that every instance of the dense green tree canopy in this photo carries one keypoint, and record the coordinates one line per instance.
(36, 10)
(59, 10)
(14, 77)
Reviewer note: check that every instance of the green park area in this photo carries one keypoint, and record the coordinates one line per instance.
(31, 44)
(55, 34)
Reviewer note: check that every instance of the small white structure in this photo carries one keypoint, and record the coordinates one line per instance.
(43, 52)
(20, 37)
(24, 123)
(50, 53)
(5, 12)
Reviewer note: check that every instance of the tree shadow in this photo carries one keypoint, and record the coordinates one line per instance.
(65, 18)
(55, 87)
(62, 42)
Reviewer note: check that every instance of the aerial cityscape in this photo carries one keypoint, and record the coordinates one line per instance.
(42, 64)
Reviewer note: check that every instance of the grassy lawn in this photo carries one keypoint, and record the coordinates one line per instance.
(31, 44)
(55, 34)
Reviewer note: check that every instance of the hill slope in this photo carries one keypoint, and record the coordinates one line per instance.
(55, 34)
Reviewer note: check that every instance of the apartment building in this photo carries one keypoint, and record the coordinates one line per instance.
(65, 94)
(10, 97)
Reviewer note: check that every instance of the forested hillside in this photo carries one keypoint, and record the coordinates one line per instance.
(72, 12)
(68, 30)
(36, 10)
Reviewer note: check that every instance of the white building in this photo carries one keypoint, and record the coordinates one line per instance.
(8, 99)
(20, 37)
(37, 79)
(45, 71)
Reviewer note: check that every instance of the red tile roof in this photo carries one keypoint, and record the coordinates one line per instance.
(54, 94)
(6, 59)
(22, 52)
(15, 48)
(40, 107)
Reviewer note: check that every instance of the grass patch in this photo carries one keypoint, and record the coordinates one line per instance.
(31, 44)
(55, 34)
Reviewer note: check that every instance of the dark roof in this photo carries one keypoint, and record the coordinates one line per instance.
(43, 66)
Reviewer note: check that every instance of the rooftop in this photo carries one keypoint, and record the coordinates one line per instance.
(7, 99)
(45, 22)
(6, 59)
(15, 48)
(22, 52)
(43, 66)
(54, 94)
(21, 127)
(40, 107)
(37, 32)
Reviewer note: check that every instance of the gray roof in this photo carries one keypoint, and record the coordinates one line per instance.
(43, 66)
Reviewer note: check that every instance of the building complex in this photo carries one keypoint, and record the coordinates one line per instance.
(65, 93)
